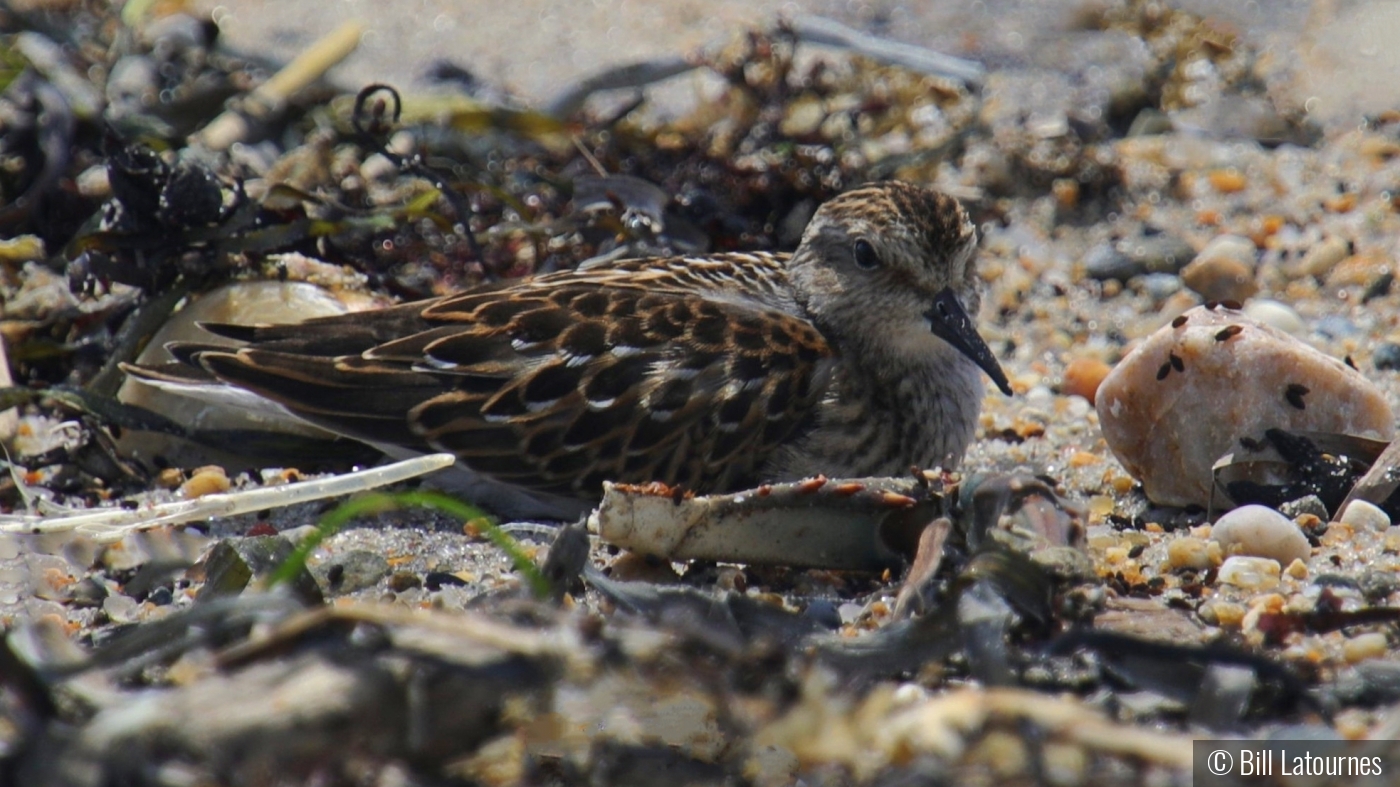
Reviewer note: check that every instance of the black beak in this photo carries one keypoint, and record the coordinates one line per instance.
(951, 324)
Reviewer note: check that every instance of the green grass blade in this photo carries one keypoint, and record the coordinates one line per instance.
(378, 502)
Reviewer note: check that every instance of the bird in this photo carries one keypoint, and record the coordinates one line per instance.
(855, 355)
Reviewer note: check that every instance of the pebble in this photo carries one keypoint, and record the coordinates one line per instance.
(1370, 645)
(1191, 552)
(1387, 356)
(1083, 376)
(354, 570)
(1160, 286)
(1132, 257)
(1336, 326)
(121, 609)
(1321, 258)
(1228, 181)
(1186, 395)
(1224, 270)
(1226, 614)
(1279, 315)
(1259, 531)
(1105, 262)
(1310, 504)
(1249, 573)
(208, 480)
(1362, 515)
(1161, 253)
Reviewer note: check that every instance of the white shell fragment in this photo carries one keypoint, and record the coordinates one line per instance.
(814, 523)
(110, 524)
(1191, 391)
(1259, 531)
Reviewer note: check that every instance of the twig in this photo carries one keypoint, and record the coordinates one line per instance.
(270, 98)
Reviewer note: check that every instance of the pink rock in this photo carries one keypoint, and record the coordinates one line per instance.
(1190, 391)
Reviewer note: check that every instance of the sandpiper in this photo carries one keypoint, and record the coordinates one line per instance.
(852, 356)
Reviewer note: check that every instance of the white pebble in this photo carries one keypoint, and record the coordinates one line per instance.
(1321, 258)
(1250, 573)
(1261, 532)
(1362, 515)
(1370, 645)
(1279, 315)
(1233, 247)
(121, 609)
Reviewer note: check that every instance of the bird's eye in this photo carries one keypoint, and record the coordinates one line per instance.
(866, 257)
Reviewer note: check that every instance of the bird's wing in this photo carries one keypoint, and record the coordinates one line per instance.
(554, 385)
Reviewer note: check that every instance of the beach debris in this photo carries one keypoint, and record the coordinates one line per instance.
(860, 524)
(109, 524)
(1191, 393)
(1261, 532)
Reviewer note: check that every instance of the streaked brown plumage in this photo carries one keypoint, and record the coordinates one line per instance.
(714, 373)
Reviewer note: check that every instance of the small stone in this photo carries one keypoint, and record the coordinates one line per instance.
(121, 609)
(1297, 569)
(1083, 376)
(1321, 258)
(1187, 394)
(93, 182)
(206, 481)
(1337, 326)
(1224, 270)
(1370, 645)
(298, 534)
(1261, 532)
(1133, 257)
(824, 612)
(404, 580)
(1249, 573)
(1377, 586)
(1362, 515)
(1312, 525)
(850, 612)
(1387, 356)
(1279, 315)
(1226, 614)
(1104, 262)
(169, 478)
(803, 117)
(437, 580)
(1191, 552)
(1310, 504)
(232, 564)
(1160, 253)
(1227, 181)
(88, 593)
(354, 570)
(1150, 122)
(1160, 286)
(635, 567)
(1362, 270)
